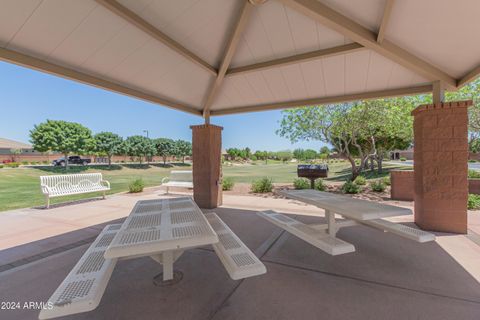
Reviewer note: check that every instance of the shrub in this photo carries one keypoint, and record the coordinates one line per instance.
(227, 184)
(403, 159)
(136, 186)
(378, 186)
(263, 185)
(319, 185)
(300, 183)
(473, 202)
(12, 165)
(387, 181)
(473, 174)
(1, 166)
(45, 162)
(350, 187)
(471, 160)
(24, 163)
(360, 180)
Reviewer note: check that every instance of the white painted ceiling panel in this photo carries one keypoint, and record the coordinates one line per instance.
(278, 84)
(200, 26)
(295, 81)
(314, 80)
(356, 71)
(368, 13)
(442, 32)
(89, 36)
(379, 72)
(51, 23)
(13, 15)
(116, 50)
(259, 85)
(334, 71)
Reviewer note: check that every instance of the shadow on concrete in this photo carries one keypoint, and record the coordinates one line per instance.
(386, 278)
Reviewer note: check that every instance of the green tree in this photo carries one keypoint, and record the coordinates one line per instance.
(62, 136)
(108, 143)
(139, 146)
(165, 148)
(359, 130)
(310, 154)
(284, 156)
(299, 154)
(182, 149)
(15, 153)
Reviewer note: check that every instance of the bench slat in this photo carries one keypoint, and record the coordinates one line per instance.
(401, 230)
(84, 286)
(317, 238)
(236, 257)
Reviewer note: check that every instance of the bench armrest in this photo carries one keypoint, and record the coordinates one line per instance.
(106, 183)
(45, 189)
(166, 179)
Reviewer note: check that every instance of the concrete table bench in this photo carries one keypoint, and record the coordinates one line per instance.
(354, 211)
(178, 178)
(69, 184)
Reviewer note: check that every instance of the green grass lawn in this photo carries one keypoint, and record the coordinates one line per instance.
(20, 187)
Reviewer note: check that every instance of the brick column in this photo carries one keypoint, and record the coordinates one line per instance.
(207, 170)
(440, 166)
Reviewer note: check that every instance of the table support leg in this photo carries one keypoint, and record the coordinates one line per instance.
(167, 265)
(332, 228)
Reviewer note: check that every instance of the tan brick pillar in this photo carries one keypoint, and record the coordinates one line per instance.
(207, 170)
(440, 166)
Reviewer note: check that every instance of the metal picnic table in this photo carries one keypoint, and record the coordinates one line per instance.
(354, 211)
(162, 229)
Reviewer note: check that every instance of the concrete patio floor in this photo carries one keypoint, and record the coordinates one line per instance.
(386, 278)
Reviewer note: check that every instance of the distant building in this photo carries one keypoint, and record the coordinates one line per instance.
(7, 146)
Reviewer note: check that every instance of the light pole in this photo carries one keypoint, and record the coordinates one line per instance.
(146, 132)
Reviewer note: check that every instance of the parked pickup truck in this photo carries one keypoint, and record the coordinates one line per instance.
(71, 160)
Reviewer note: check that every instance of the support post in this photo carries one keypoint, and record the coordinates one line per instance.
(167, 260)
(207, 171)
(440, 165)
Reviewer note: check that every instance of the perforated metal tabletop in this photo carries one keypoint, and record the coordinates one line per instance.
(160, 225)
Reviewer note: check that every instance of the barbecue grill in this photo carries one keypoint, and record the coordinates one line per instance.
(312, 172)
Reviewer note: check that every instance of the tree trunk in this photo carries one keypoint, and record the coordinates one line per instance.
(109, 161)
(372, 164)
(379, 164)
(164, 160)
(183, 159)
(66, 161)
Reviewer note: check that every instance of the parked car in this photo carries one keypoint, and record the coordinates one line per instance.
(71, 160)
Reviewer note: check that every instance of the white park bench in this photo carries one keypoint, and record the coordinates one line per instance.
(178, 178)
(354, 212)
(68, 184)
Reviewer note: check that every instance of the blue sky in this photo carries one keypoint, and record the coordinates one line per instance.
(29, 97)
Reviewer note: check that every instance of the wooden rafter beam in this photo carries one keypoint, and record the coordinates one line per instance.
(24, 60)
(326, 100)
(303, 57)
(354, 31)
(470, 76)
(386, 16)
(230, 49)
(146, 27)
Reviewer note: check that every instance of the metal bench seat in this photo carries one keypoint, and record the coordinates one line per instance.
(315, 237)
(69, 184)
(401, 230)
(84, 286)
(178, 178)
(236, 257)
